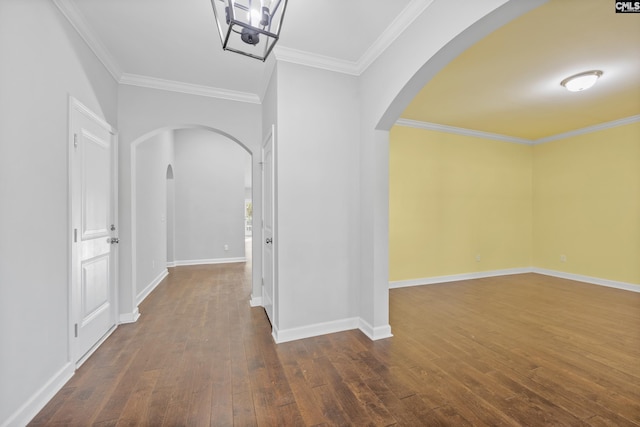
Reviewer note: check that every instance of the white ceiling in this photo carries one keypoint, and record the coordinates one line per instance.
(177, 40)
(506, 84)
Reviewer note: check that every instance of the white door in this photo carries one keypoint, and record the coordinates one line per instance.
(93, 230)
(268, 251)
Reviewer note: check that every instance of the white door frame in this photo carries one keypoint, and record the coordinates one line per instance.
(75, 108)
(271, 136)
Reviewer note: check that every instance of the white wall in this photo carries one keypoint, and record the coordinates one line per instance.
(209, 197)
(152, 158)
(317, 172)
(43, 61)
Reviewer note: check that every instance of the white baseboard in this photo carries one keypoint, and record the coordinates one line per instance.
(180, 263)
(482, 274)
(316, 329)
(255, 301)
(171, 264)
(457, 277)
(588, 279)
(377, 333)
(129, 317)
(40, 398)
(151, 286)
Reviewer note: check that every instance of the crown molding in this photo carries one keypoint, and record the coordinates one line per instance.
(469, 132)
(73, 15)
(187, 88)
(409, 14)
(300, 57)
(590, 129)
(461, 131)
(356, 68)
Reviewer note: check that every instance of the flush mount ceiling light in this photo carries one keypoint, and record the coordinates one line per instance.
(581, 81)
(249, 27)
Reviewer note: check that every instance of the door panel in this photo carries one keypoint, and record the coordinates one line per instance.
(268, 252)
(96, 184)
(93, 255)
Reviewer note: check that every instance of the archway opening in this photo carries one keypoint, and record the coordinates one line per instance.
(407, 81)
(190, 185)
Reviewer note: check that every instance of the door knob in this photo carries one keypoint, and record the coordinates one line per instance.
(269, 240)
(114, 240)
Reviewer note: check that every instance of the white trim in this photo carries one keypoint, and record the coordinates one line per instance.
(588, 279)
(590, 129)
(376, 333)
(151, 286)
(457, 277)
(255, 301)
(40, 398)
(179, 263)
(355, 68)
(476, 133)
(494, 273)
(409, 14)
(315, 329)
(74, 16)
(274, 333)
(187, 88)
(300, 57)
(461, 131)
(80, 107)
(171, 264)
(130, 317)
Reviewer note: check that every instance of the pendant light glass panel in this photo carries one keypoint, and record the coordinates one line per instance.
(249, 27)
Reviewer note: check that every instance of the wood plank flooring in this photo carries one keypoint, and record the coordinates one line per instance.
(523, 350)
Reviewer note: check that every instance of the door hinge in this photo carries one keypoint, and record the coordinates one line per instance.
(75, 235)
(75, 140)
(75, 330)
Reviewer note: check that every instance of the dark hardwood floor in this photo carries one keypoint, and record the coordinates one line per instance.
(525, 350)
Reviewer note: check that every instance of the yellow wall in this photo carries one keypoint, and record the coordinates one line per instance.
(455, 197)
(586, 198)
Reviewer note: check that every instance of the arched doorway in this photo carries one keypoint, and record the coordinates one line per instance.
(402, 80)
(157, 200)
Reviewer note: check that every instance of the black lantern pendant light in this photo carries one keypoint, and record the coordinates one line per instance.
(249, 27)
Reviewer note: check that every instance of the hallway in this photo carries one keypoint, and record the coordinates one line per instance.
(512, 350)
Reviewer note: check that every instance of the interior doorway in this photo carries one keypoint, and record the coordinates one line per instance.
(93, 221)
(190, 187)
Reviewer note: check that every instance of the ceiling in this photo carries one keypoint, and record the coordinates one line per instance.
(177, 40)
(509, 82)
(506, 84)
